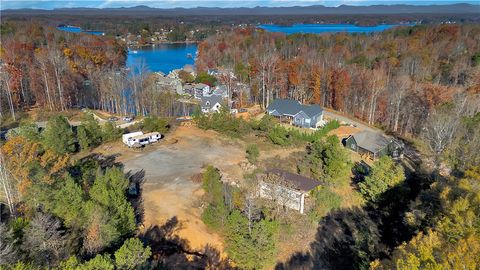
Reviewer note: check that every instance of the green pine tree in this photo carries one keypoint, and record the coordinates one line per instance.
(83, 139)
(58, 135)
(383, 175)
(132, 254)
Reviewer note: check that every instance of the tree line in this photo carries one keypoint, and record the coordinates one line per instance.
(55, 71)
(393, 79)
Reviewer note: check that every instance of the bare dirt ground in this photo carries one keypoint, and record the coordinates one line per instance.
(168, 190)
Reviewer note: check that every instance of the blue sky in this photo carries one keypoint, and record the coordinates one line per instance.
(49, 4)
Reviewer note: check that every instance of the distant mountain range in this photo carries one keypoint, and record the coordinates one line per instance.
(296, 10)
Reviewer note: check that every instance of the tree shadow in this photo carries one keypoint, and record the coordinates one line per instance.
(169, 251)
(134, 193)
(351, 238)
(340, 243)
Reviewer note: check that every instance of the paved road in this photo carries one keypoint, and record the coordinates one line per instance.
(124, 125)
(342, 118)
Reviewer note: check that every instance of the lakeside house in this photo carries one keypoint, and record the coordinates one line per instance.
(211, 104)
(374, 145)
(286, 188)
(297, 114)
(201, 90)
(169, 84)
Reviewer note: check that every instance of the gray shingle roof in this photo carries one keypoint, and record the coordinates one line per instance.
(297, 181)
(212, 101)
(371, 141)
(292, 107)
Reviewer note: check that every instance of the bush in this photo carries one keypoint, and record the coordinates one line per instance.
(204, 77)
(325, 200)
(223, 122)
(27, 130)
(252, 153)
(215, 214)
(152, 124)
(185, 76)
(110, 132)
(279, 135)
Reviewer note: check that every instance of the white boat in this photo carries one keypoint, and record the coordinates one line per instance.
(135, 51)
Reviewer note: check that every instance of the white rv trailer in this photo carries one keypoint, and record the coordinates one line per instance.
(127, 138)
(140, 140)
(153, 136)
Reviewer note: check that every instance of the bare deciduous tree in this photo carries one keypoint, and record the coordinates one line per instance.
(44, 240)
(8, 253)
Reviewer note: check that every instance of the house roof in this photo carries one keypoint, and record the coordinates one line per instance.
(212, 99)
(297, 181)
(220, 90)
(292, 107)
(200, 85)
(166, 80)
(371, 141)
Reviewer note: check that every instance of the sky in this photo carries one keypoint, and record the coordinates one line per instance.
(49, 4)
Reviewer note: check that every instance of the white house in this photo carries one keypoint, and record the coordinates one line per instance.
(201, 90)
(285, 188)
(211, 104)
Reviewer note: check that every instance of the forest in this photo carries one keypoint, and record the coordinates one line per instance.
(393, 79)
(55, 71)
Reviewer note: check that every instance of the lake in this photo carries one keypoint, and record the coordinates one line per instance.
(325, 28)
(75, 29)
(163, 57)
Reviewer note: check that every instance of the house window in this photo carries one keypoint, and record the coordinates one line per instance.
(353, 146)
(208, 103)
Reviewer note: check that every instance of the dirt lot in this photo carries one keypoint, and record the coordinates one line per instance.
(168, 190)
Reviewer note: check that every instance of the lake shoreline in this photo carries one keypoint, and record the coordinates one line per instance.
(164, 43)
(163, 57)
(321, 28)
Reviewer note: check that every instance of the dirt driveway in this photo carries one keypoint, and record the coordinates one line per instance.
(168, 190)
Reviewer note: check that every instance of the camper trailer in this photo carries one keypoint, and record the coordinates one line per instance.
(153, 136)
(135, 139)
(127, 138)
(138, 139)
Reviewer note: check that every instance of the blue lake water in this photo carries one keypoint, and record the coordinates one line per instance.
(325, 28)
(75, 29)
(163, 57)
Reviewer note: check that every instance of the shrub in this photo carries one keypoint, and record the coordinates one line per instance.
(252, 153)
(110, 132)
(204, 77)
(151, 124)
(279, 135)
(325, 200)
